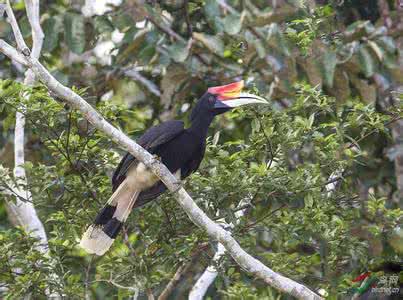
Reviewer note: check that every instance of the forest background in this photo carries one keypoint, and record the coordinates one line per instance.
(317, 174)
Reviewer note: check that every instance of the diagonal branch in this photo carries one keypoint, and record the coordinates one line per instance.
(133, 73)
(12, 53)
(198, 217)
(16, 29)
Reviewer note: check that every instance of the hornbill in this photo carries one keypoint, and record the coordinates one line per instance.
(180, 150)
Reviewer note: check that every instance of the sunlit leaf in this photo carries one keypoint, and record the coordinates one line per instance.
(329, 62)
(74, 32)
(51, 28)
(232, 23)
(179, 51)
(213, 43)
(366, 61)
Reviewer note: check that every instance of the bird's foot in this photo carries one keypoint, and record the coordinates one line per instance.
(156, 157)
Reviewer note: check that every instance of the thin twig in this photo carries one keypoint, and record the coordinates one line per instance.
(187, 18)
(394, 119)
(151, 86)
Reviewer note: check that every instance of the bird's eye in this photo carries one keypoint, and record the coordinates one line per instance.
(211, 99)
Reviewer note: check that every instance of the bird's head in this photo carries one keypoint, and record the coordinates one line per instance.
(220, 99)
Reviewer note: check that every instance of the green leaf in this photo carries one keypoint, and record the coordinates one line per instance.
(377, 50)
(103, 24)
(212, 10)
(123, 22)
(146, 54)
(278, 40)
(387, 43)
(329, 62)
(366, 61)
(232, 24)
(213, 43)
(51, 28)
(74, 29)
(178, 51)
(308, 199)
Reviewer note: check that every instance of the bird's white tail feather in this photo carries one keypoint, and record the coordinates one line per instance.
(98, 239)
(95, 241)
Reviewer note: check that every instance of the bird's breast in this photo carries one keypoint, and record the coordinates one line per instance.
(139, 177)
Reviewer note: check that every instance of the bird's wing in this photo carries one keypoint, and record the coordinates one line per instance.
(193, 164)
(150, 194)
(150, 140)
(159, 188)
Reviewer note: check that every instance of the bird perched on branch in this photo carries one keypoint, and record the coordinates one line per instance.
(180, 150)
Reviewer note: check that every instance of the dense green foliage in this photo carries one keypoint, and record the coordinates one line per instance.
(331, 78)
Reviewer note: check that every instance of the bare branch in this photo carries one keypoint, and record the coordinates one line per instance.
(16, 30)
(32, 8)
(210, 273)
(24, 211)
(179, 274)
(12, 53)
(207, 278)
(133, 73)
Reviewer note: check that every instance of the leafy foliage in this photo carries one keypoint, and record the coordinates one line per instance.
(330, 79)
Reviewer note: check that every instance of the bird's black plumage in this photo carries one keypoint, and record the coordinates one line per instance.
(150, 140)
(178, 148)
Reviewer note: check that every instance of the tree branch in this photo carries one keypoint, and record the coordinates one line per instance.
(133, 73)
(16, 29)
(179, 274)
(24, 211)
(207, 278)
(12, 53)
(198, 217)
(210, 273)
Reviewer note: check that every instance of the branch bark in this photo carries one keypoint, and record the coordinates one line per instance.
(180, 273)
(198, 217)
(210, 273)
(207, 278)
(23, 212)
(133, 73)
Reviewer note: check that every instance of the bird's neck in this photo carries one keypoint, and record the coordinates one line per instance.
(200, 125)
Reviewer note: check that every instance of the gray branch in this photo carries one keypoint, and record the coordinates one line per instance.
(24, 211)
(133, 73)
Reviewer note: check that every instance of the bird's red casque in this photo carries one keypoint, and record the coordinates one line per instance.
(226, 92)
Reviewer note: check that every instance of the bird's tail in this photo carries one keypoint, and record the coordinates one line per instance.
(100, 235)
